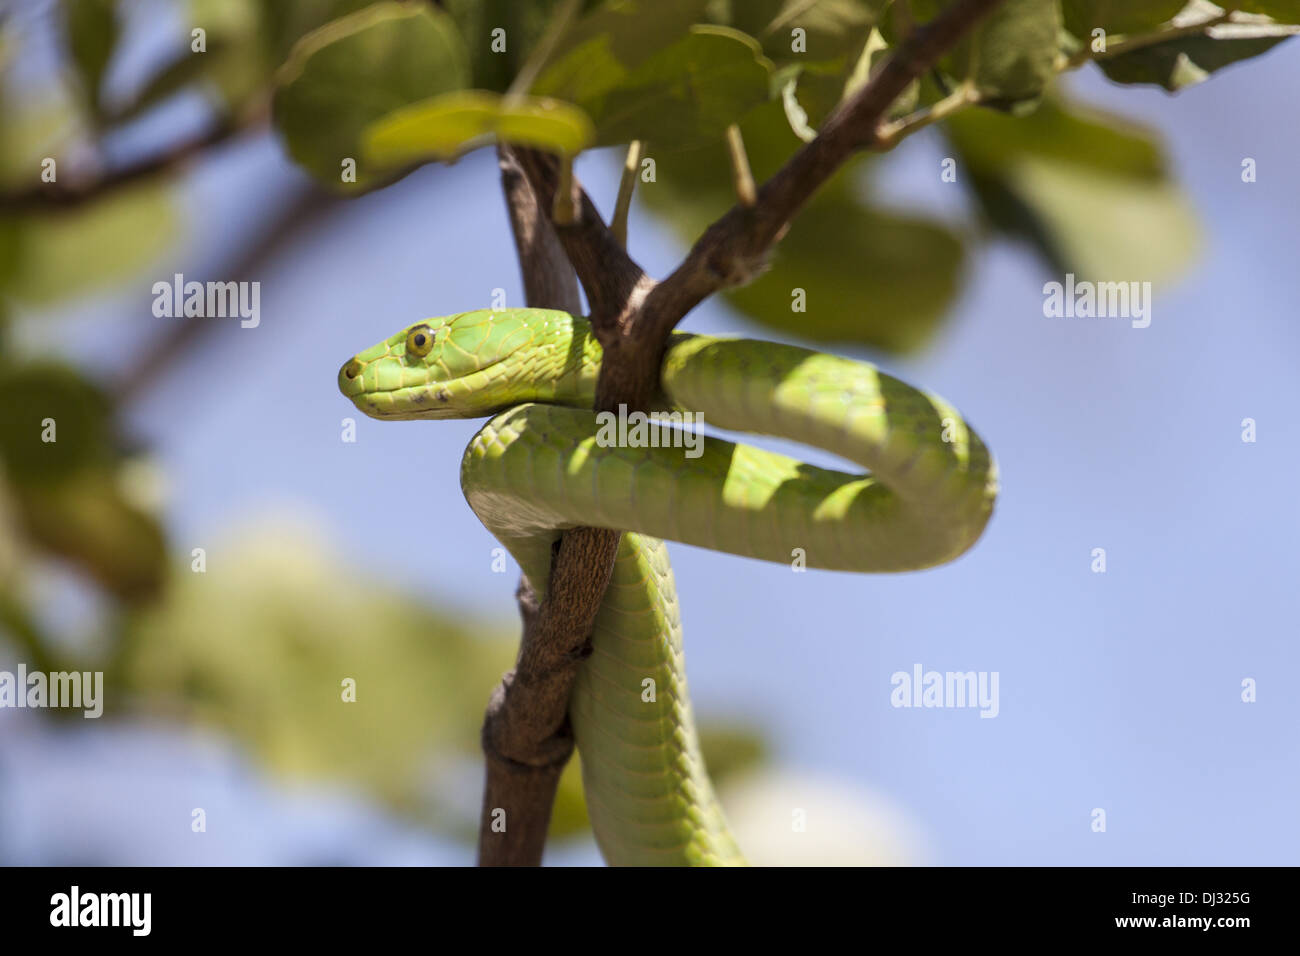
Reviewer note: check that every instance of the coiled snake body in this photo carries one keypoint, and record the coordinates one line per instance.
(537, 467)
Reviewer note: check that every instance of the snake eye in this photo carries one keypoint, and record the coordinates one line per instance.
(419, 341)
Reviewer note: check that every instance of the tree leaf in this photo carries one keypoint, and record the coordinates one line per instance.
(832, 29)
(868, 276)
(69, 252)
(1010, 57)
(347, 74)
(616, 38)
(686, 93)
(32, 395)
(90, 31)
(86, 519)
(1117, 16)
(184, 70)
(1187, 60)
(443, 127)
(1089, 190)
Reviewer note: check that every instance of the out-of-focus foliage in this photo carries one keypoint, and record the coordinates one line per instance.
(685, 93)
(1185, 58)
(1009, 58)
(345, 75)
(444, 127)
(262, 643)
(1089, 190)
(867, 273)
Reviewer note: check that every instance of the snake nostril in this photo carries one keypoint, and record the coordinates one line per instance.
(352, 369)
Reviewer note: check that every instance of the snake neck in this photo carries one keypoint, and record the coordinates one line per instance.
(564, 369)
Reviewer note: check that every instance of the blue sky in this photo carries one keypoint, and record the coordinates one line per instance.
(1118, 690)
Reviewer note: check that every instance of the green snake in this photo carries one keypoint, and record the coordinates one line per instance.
(540, 466)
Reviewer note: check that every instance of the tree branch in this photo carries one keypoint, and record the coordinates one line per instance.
(526, 737)
(734, 249)
(45, 197)
(608, 274)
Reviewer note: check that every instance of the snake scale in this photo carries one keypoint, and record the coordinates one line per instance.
(538, 467)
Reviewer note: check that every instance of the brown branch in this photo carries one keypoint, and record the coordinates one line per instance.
(608, 274)
(734, 249)
(526, 737)
(45, 197)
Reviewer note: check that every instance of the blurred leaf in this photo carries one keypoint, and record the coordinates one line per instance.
(81, 414)
(184, 70)
(284, 24)
(523, 25)
(832, 29)
(1088, 189)
(241, 61)
(686, 93)
(71, 251)
(870, 276)
(599, 49)
(1010, 57)
(1283, 11)
(90, 31)
(446, 126)
(260, 643)
(86, 520)
(355, 70)
(1185, 61)
(1117, 16)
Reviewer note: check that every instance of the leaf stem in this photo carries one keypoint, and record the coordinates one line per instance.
(626, 185)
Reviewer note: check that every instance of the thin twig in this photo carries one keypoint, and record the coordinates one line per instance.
(44, 197)
(626, 186)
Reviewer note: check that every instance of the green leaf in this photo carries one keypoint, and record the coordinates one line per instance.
(685, 94)
(832, 29)
(33, 395)
(353, 71)
(260, 644)
(618, 37)
(522, 25)
(1010, 57)
(88, 521)
(61, 466)
(1014, 51)
(1283, 11)
(446, 126)
(1187, 60)
(90, 32)
(1117, 16)
(869, 276)
(73, 251)
(184, 70)
(1089, 190)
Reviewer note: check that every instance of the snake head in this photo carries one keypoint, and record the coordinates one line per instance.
(462, 366)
